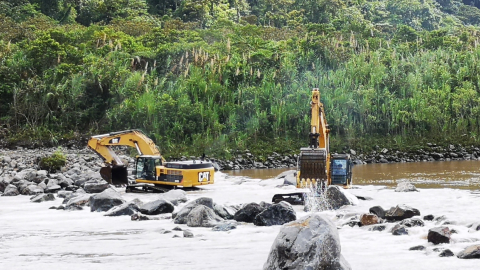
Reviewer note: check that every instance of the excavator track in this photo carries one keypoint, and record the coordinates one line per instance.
(143, 188)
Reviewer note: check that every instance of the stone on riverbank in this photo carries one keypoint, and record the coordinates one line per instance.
(309, 243)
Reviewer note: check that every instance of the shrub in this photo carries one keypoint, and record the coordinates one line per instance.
(54, 162)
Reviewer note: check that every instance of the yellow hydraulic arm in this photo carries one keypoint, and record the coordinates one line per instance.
(319, 132)
(133, 138)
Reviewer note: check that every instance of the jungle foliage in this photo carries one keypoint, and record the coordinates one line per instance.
(210, 75)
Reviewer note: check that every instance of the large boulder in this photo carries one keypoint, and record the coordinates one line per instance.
(203, 216)
(105, 200)
(338, 197)
(175, 196)
(157, 207)
(95, 186)
(248, 212)
(11, 190)
(470, 252)
(401, 212)
(405, 187)
(126, 209)
(276, 214)
(439, 235)
(42, 198)
(181, 216)
(309, 243)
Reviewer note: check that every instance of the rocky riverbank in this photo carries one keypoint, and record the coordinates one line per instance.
(30, 155)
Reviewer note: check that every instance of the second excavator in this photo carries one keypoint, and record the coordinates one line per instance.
(151, 171)
(317, 168)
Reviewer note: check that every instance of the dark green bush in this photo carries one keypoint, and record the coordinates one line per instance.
(54, 162)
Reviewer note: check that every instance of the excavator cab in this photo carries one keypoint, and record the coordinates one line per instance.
(145, 167)
(341, 169)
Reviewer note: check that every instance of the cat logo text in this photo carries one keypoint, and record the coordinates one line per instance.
(203, 177)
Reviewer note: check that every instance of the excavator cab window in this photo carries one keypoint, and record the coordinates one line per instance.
(341, 169)
(146, 168)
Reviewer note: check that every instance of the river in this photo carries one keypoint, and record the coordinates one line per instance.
(440, 174)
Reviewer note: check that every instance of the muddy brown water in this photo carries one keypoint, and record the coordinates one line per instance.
(441, 174)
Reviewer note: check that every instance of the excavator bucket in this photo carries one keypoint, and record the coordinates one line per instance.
(312, 166)
(116, 175)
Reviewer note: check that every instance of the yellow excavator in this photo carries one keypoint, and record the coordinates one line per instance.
(317, 168)
(150, 166)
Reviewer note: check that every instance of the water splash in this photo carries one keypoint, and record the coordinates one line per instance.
(315, 199)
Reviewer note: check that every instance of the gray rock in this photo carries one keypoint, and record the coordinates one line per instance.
(202, 216)
(412, 222)
(76, 202)
(64, 193)
(226, 225)
(31, 190)
(248, 212)
(126, 209)
(187, 234)
(446, 253)
(177, 228)
(420, 247)
(378, 211)
(276, 214)
(378, 228)
(289, 177)
(140, 217)
(439, 235)
(309, 243)
(405, 187)
(401, 212)
(181, 216)
(428, 217)
(95, 186)
(105, 201)
(470, 252)
(399, 230)
(175, 196)
(157, 207)
(11, 190)
(64, 181)
(337, 197)
(42, 198)
(224, 212)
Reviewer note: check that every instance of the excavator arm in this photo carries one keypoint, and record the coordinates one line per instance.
(116, 172)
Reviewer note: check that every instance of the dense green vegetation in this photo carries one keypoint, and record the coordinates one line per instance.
(210, 75)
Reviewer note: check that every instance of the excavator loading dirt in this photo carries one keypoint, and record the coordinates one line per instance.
(317, 168)
(151, 171)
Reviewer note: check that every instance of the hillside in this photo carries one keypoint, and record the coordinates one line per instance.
(236, 74)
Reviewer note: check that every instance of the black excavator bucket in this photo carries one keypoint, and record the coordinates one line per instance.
(312, 165)
(116, 175)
